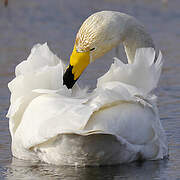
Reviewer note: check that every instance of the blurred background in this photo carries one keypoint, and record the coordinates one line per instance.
(24, 23)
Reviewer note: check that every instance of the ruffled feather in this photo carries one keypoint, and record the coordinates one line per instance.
(42, 108)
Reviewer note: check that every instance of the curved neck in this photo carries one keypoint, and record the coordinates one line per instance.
(135, 37)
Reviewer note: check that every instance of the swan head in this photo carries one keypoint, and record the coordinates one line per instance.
(97, 35)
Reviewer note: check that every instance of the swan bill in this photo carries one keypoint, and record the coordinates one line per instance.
(78, 63)
(68, 78)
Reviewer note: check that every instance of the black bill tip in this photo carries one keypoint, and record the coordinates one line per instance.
(68, 78)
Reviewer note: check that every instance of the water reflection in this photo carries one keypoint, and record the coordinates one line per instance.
(31, 170)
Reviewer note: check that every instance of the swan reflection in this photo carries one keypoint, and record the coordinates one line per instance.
(20, 169)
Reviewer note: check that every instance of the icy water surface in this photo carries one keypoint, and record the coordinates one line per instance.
(27, 22)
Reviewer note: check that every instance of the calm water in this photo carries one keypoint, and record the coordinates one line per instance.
(27, 22)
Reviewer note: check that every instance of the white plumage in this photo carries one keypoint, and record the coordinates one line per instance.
(119, 118)
(117, 123)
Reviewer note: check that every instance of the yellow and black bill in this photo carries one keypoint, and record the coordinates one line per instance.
(78, 62)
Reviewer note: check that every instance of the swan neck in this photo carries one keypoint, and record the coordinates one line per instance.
(135, 36)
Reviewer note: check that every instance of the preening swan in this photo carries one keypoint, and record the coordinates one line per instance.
(118, 122)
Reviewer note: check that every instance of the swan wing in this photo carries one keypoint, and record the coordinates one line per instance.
(42, 108)
(143, 74)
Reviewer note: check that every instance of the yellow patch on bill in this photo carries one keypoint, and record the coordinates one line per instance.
(79, 61)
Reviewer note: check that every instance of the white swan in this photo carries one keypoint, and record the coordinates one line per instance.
(117, 123)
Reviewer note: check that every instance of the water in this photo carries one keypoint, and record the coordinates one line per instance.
(27, 22)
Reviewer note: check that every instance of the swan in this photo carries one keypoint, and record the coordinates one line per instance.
(51, 119)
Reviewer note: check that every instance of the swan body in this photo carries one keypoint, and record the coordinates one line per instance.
(118, 122)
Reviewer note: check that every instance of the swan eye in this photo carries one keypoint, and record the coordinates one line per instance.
(92, 49)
